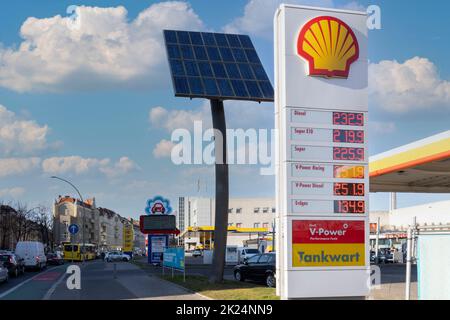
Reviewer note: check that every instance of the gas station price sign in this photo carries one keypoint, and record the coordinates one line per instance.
(349, 189)
(348, 118)
(349, 206)
(349, 172)
(348, 136)
(348, 153)
(322, 176)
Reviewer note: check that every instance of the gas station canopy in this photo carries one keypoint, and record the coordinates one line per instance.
(422, 166)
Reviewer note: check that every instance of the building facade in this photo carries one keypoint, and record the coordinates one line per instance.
(102, 227)
(249, 218)
(431, 214)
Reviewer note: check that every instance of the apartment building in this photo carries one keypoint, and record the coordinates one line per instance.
(102, 227)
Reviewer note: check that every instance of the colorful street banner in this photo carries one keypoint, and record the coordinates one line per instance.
(174, 258)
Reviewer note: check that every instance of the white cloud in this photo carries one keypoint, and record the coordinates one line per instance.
(120, 168)
(258, 15)
(170, 120)
(412, 85)
(14, 166)
(239, 114)
(12, 192)
(98, 49)
(163, 149)
(78, 165)
(20, 135)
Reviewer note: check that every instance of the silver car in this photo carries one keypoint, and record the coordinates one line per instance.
(117, 256)
(4, 275)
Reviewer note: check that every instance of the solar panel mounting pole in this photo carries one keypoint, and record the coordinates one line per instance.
(222, 187)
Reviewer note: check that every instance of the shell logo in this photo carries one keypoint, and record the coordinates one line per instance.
(329, 45)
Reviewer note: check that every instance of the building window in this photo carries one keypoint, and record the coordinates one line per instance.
(230, 210)
(238, 225)
(266, 225)
(273, 210)
(256, 225)
(255, 210)
(238, 210)
(266, 210)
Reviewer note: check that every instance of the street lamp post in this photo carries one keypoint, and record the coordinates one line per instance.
(82, 214)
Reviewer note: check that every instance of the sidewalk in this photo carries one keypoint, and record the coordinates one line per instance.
(98, 283)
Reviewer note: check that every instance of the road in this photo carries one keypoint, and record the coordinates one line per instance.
(99, 281)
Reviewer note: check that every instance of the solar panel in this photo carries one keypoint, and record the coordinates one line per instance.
(216, 66)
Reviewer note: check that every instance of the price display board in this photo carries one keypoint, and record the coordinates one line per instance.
(321, 112)
(155, 223)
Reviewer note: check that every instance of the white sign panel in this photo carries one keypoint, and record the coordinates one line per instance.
(433, 282)
(321, 104)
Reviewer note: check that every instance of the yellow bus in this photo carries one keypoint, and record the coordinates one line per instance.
(77, 251)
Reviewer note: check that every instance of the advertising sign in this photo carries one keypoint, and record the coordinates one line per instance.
(158, 205)
(128, 238)
(321, 112)
(174, 258)
(329, 243)
(156, 246)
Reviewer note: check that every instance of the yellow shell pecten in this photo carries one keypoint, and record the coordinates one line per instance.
(329, 45)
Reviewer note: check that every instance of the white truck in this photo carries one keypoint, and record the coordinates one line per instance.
(245, 252)
(33, 254)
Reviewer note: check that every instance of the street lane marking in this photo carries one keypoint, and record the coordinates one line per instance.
(49, 276)
(22, 283)
(53, 287)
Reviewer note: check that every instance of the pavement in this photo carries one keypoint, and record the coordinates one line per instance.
(98, 282)
(393, 283)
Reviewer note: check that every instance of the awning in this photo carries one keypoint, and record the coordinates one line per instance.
(422, 166)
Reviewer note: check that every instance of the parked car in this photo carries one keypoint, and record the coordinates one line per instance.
(117, 256)
(246, 253)
(197, 253)
(14, 263)
(4, 274)
(33, 254)
(260, 267)
(55, 259)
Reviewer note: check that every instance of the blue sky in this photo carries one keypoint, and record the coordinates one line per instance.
(89, 95)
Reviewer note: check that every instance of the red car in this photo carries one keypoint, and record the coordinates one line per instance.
(158, 207)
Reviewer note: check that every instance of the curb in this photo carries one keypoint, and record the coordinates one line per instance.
(183, 288)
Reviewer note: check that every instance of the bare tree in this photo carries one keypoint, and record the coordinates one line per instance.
(44, 224)
(22, 224)
(18, 223)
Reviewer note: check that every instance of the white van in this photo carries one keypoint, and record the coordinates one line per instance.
(33, 254)
(245, 253)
